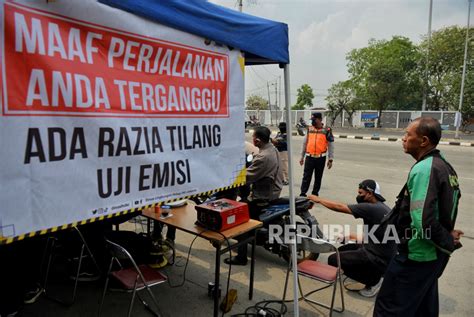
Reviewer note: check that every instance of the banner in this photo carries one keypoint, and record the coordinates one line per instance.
(103, 111)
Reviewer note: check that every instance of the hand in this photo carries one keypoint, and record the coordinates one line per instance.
(329, 164)
(457, 236)
(314, 198)
(341, 238)
(301, 162)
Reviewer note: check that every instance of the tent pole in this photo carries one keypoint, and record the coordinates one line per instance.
(289, 129)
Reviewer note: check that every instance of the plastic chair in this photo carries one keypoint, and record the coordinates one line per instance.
(51, 246)
(318, 271)
(133, 279)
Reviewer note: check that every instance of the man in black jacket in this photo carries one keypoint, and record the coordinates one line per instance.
(425, 216)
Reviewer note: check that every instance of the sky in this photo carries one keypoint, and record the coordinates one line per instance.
(322, 32)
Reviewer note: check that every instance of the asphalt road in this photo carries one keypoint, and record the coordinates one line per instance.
(385, 162)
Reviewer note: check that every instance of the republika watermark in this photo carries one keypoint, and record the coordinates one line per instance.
(375, 234)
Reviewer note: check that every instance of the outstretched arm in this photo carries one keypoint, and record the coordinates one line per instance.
(333, 205)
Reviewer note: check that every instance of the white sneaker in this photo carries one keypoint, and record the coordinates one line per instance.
(32, 295)
(371, 291)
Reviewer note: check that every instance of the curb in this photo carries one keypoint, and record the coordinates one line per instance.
(376, 138)
(387, 139)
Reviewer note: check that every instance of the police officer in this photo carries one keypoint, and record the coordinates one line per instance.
(317, 145)
(266, 177)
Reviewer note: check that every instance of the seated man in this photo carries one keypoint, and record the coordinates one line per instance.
(265, 177)
(364, 261)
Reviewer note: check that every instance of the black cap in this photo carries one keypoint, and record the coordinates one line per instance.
(282, 125)
(372, 186)
(317, 115)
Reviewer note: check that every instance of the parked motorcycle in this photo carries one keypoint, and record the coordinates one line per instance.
(253, 122)
(278, 214)
(276, 222)
(301, 127)
(275, 218)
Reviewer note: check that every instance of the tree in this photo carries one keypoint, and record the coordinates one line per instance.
(255, 102)
(341, 97)
(467, 110)
(385, 75)
(305, 97)
(445, 62)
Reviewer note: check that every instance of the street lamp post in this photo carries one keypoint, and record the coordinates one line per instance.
(425, 81)
(463, 78)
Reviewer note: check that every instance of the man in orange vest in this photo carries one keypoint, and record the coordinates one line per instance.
(317, 145)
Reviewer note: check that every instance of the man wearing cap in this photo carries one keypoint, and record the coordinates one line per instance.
(317, 145)
(364, 261)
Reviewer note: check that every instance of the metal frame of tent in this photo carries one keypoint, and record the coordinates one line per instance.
(263, 42)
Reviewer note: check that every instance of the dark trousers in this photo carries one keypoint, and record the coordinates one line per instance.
(158, 228)
(410, 288)
(255, 208)
(316, 165)
(356, 264)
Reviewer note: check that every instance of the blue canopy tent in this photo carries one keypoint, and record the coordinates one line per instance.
(263, 42)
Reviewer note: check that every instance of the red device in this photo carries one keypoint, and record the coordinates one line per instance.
(222, 214)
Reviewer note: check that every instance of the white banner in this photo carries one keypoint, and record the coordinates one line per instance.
(103, 111)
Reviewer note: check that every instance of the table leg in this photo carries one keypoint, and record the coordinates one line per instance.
(252, 264)
(216, 279)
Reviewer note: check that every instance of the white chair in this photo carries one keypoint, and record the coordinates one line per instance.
(318, 271)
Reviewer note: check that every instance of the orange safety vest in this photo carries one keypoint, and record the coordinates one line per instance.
(317, 141)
